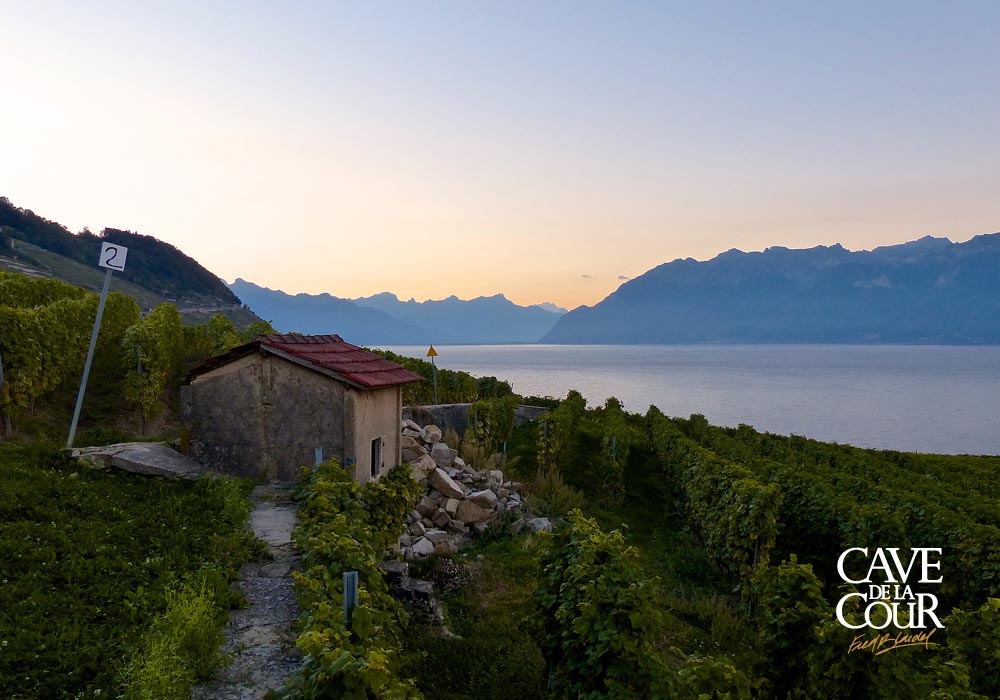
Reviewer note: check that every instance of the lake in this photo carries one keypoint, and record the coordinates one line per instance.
(943, 399)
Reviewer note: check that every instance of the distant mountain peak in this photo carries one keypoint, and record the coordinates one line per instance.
(729, 254)
(925, 244)
(551, 308)
(387, 296)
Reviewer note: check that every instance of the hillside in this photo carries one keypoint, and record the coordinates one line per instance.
(925, 291)
(383, 319)
(157, 272)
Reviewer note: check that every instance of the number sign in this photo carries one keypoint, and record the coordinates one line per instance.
(113, 256)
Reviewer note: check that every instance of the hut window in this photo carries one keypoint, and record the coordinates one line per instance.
(376, 456)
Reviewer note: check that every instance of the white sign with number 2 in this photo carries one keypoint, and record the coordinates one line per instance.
(113, 256)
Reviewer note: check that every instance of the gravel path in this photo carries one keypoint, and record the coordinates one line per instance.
(260, 637)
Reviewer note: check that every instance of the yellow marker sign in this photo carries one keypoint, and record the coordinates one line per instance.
(431, 352)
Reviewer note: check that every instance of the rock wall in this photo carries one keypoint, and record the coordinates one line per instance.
(459, 502)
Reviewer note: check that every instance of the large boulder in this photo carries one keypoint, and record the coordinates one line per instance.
(442, 455)
(422, 467)
(435, 535)
(423, 547)
(427, 507)
(445, 484)
(539, 525)
(413, 451)
(445, 548)
(470, 513)
(484, 499)
(431, 434)
(406, 442)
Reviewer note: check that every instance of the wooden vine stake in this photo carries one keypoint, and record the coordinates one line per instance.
(7, 430)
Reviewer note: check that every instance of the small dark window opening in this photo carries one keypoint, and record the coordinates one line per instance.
(376, 457)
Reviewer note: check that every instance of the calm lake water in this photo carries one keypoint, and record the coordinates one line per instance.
(943, 399)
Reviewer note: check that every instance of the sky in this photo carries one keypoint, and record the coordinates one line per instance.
(547, 151)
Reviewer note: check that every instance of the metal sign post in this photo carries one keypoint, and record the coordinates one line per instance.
(113, 258)
(432, 353)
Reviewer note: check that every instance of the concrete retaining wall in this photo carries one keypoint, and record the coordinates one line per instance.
(456, 415)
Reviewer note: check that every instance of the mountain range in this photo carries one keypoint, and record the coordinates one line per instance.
(383, 319)
(926, 291)
(929, 290)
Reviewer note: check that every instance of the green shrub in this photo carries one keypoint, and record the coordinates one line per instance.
(597, 614)
(975, 637)
(182, 646)
(704, 678)
(491, 422)
(344, 526)
(552, 497)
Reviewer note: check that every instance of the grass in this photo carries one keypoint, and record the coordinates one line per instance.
(182, 645)
(92, 562)
(493, 653)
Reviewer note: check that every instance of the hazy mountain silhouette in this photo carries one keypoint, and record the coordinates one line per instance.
(383, 319)
(926, 291)
(493, 319)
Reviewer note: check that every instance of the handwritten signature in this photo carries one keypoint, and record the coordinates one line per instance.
(881, 643)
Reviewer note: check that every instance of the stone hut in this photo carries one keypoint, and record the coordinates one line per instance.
(261, 409)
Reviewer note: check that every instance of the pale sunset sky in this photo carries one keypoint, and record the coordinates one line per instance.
(540, 149)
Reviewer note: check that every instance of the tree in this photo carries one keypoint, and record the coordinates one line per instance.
(152, 351)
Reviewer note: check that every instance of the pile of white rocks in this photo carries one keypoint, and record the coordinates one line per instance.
(458, 502)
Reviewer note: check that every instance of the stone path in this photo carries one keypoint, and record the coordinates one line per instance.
(260, 637)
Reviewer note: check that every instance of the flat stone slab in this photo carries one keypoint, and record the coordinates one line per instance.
(147, 458)
(273, 516)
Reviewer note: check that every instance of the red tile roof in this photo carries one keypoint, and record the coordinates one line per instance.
(328, 354)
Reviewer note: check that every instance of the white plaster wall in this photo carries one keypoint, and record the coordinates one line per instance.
(376, 413)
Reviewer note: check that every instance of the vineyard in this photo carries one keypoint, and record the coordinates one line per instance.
(45, 327)
(771, 515)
